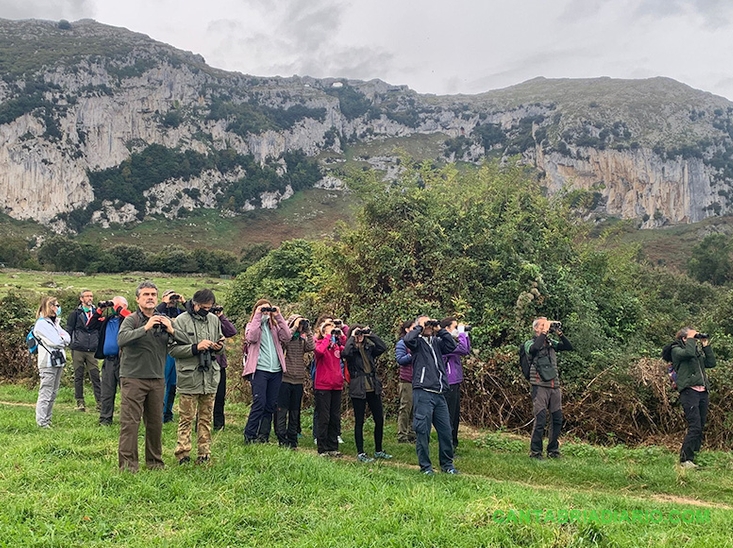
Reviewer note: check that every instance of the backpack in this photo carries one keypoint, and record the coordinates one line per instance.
(31, 342)
(667, 357)
(524, 361)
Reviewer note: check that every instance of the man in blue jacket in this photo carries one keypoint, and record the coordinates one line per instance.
(428, 342)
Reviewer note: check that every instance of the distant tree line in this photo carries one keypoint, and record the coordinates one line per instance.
(63, 254)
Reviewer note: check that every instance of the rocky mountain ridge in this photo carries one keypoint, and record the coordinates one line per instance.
(102, 125)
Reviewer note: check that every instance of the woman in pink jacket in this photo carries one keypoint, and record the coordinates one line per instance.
(327, 387)
(264, 364)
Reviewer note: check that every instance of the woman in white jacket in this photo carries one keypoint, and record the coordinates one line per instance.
(52, 339)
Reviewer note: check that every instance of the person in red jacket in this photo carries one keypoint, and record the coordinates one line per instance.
(327, 387)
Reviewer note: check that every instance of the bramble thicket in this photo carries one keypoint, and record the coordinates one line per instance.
(489, 246)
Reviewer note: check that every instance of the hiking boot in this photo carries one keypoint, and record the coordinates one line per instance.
(335, 454)
(382, 455)
(554, 455)
(536, 456)
(363, 457)
(184, 460)
(80, 406)
(202, 459)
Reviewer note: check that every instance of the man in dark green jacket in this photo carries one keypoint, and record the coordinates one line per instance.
(689, 361)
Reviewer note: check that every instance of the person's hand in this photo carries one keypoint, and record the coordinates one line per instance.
(705, 342)
(152, 322)
(166, 322)
(206, 344)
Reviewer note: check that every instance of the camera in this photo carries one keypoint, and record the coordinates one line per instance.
(216, 309)
(268, 309)
(432, 323)
(105, 304)
(702, 336)
(204, 361)
(466, 328)
(555, 327)
(304, 325)
(58, 358)
(336, 332)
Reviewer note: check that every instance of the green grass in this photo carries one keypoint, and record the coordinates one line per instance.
(105, 286)
(61, 487)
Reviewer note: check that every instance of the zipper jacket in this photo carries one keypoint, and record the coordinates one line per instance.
(428, 366)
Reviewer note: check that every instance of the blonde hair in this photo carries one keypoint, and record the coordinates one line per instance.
(47, 308)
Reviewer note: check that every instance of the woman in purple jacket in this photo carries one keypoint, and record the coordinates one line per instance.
(264, 364)
(228, 330)
(455, 372)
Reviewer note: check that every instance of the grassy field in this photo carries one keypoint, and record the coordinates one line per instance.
(61, 487)
(105, 286)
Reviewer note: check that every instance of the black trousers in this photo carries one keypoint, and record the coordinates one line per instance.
(110, 382)
(695, 405)
(328, 407)
(221, 392)
(287, 416)
(375, 406)
(453, 399)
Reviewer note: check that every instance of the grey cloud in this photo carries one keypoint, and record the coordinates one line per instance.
(46, 9)
(716, 13)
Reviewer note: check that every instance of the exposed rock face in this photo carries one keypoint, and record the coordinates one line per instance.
(636, 184)
(655, 150)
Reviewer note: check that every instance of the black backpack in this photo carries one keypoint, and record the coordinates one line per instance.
(524, 361)
(667, 357)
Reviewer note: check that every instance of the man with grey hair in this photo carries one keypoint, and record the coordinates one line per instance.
(143, 341)
(84, 341)
(543, 376)
(107, 319)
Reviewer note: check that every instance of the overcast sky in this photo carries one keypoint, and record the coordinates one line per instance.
(433, 46)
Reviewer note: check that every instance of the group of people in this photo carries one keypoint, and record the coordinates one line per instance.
(177, 346)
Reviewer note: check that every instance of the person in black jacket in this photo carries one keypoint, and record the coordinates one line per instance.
(543, 376)
(172, 305)
(83, 345)
(428, 342)
(365, 388)
(107, 320)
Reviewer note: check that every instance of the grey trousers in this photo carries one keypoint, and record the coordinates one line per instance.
(85, 362)
(49, 387)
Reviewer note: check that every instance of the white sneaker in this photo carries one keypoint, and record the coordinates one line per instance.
(340, 440)
(688, 464)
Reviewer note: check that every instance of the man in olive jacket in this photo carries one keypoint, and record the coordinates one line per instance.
(689, 361)
(198, 339)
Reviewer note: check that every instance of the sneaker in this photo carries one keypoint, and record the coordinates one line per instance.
(688, 464)
(382, 455)
(202, 459)
(554, 455)
(184, 460)
(536, 456)
(340, 440)
(80, 406)
(363, 457)
(335, 454)
(452, 471)
(105, 423)
(428, 472)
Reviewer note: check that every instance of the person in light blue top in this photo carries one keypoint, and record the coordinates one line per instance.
(264, 365)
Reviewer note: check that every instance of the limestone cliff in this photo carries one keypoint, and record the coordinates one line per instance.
(82, 110)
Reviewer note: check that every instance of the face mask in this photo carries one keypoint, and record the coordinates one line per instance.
(203, 313)
(454, 333)
(58, 311)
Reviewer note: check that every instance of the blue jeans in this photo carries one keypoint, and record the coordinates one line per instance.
(429, 409)
(265, 390)
(170, 388)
